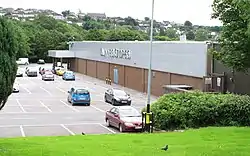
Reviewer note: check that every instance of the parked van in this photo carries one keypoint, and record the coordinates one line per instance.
(23, 61)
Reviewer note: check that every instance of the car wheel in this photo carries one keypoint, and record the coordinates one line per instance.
(105, 98)
(113, 102)
(120, 128)
(107, 123)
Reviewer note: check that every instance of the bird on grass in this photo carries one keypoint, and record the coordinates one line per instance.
(83, 133)
(165, 148)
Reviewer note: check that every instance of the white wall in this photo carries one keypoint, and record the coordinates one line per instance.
(187, 58)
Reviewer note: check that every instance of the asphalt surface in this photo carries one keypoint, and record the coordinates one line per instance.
(41, 108)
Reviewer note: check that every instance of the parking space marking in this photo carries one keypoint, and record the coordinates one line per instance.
(45, 125)
(45, 106)
(26, 89)
(22, 131)
(61, 90)
(107, 129)
(97, 108)
(19, 104)
(46, 91)
(63, 126)
(74, 109)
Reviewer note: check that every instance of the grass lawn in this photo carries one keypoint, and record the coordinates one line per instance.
(206, 142)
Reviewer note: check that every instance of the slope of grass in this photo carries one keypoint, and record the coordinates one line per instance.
(201, 142)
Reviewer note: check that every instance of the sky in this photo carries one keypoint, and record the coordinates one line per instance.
(196, 11)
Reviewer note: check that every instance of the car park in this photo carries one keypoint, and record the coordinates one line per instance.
(19, 72)
(15, 87)
(40, 61)
(125, 118)
(117, 97)
(32, 71)
(68, 75)
(79, 96)
(48, 75)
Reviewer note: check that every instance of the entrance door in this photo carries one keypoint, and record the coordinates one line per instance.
(116, 76)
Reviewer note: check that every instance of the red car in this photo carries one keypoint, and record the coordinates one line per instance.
(125, 118)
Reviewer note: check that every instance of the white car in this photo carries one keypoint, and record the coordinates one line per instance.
(19, 72)
(15, 87)
(23, 61)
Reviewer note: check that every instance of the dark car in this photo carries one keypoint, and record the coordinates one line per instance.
(79, 96)
(117, 97)
(125, 118)
(40, 61)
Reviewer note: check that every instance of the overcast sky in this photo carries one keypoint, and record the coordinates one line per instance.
(196, 11)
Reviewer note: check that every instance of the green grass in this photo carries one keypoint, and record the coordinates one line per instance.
(206, 142)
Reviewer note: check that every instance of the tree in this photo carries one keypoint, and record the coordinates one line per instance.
(188, 24)
(235, 37)
(8, 66)
(201, 35)
(190, 35)
(171, 33)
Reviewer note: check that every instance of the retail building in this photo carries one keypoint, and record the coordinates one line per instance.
(126, 62)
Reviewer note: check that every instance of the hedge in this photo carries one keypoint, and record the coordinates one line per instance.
(197, 109)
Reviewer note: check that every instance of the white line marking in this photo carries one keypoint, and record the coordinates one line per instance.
(72, 133)
(46, 91)
(107, 128)
(61, 90)
(45, 106)
(97, 108)
(19, 104)
(71, 107)
(26, 89)
(22, 131)
(45, 125)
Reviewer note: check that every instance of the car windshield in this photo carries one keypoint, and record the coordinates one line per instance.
(69, 73)
(48, 73)
(81, 91)
(130, 112)
(119, 93)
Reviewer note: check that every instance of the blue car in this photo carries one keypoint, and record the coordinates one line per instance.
(68, 75)
(79, 96)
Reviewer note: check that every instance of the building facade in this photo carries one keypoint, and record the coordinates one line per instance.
(126, 62)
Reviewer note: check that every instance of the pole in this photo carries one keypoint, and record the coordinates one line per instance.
(150, 64)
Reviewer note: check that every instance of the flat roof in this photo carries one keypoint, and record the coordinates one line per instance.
(61, 54)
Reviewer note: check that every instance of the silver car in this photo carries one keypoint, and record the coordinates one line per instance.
(48, 75)
(32, 72)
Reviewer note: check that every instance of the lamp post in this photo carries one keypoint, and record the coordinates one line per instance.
(150, 64)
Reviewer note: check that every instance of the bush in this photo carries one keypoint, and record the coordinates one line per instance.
(198, 109)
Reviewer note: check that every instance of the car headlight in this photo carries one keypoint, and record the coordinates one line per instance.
(129, 99)
(117, 99)
(128, 124)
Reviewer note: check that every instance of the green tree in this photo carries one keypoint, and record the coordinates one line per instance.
(171, 33)
(190, 35)
(201, 35)
(8, 66)
(235, 37)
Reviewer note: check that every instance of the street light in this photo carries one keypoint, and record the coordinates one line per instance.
(150, 65)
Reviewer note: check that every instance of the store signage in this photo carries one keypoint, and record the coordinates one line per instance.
(116, 53)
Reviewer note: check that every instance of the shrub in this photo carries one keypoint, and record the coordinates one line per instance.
(198, 109)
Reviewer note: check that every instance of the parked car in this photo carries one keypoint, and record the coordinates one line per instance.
(32, 71)
(60, 71)
(79, 96)
(40, 61)
(19, 72)
(68, 75)
(48, 75)
(125, 118)
(15, 87)
(23, 61)
(42, 70)
(117, 97)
